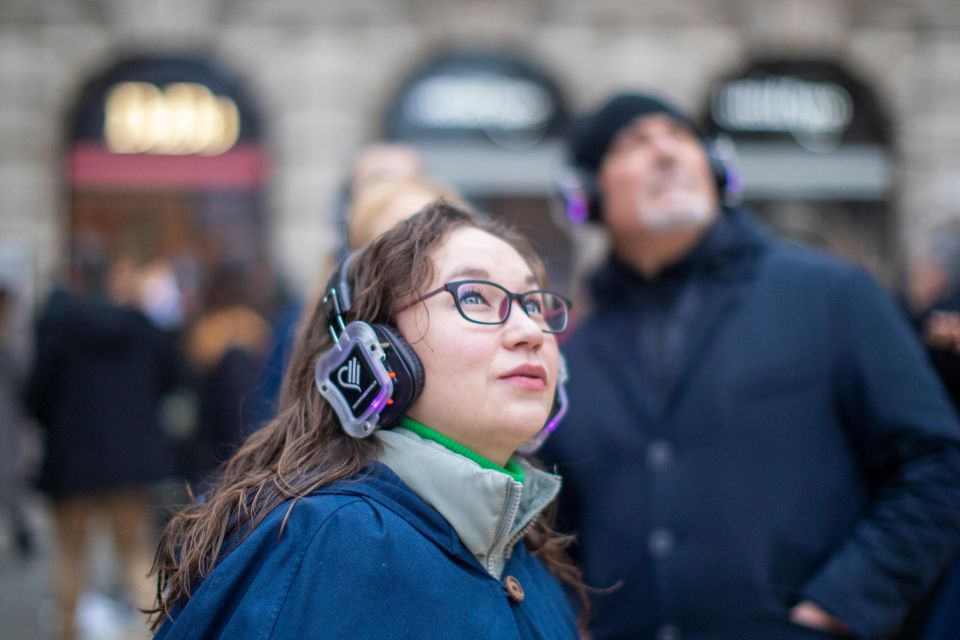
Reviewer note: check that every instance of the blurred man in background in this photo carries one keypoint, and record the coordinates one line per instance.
(386, 184)
(100, 371)
(756, 446)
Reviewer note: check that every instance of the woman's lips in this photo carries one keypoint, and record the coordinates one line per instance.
(527, 383)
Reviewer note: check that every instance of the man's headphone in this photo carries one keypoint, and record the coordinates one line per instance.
(372, 375)
(577, 189)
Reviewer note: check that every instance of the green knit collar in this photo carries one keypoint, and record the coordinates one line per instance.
(512, 469)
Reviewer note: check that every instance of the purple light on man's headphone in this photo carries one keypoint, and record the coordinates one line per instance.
(734, 182)
(578, 210)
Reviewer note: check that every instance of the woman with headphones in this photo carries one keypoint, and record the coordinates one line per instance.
(387, 498)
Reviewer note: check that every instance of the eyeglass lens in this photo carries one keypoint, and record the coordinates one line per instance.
(487, 303)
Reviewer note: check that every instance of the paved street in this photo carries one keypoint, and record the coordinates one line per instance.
(27, 609)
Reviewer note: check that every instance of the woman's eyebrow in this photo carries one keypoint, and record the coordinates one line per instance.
(472, 272)
(478, 272)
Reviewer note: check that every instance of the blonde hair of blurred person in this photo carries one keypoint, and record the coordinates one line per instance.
(384, 160)
(228, 321)
(380, 204)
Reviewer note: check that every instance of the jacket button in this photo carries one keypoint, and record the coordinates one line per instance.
(514, 590)
(668, 632)
(659, 454)
(660, 542)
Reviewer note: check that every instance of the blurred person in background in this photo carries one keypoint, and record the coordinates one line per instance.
(385, 186)
(380, 160)
(756, 445)
(933, 301)
(325, 525)
(13, 434)
(384, 202)
(100, 371)
(161, 297)
(374, 162)
(228, 347)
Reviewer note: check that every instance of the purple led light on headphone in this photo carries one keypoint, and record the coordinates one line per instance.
(572, 193)
(554, 421)
(559, 411)
(578, 210)
(381, 400)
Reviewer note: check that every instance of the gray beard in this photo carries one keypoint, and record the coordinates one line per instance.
(687, 219)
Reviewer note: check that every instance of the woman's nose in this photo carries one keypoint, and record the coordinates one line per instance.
(521, 329)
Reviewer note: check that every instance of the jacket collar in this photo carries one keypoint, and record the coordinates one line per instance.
(730, 243)
(489, 510)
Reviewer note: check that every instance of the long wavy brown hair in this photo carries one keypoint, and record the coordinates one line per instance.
(303, 448)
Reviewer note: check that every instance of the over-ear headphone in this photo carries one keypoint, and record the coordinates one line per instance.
(371, 375)
(577, 189)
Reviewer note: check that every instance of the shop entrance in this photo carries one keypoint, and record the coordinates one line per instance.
(165, 167)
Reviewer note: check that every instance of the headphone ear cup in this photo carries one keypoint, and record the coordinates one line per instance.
(723, 162)
(577, 192)
(407, 354)
(409, 380)
(719, 169)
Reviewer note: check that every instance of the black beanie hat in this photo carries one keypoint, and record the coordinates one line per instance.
(592, 135)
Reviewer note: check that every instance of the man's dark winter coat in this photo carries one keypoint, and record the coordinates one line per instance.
(796, 446)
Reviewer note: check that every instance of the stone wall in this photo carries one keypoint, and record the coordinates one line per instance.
(322, 72)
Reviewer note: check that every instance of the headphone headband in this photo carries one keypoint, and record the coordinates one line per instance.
(336, 299)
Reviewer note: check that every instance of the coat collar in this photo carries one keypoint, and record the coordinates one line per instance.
(728, 254)
(727, 248)
(489, 510)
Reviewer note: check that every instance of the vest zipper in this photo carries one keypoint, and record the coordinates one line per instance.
(500, 543)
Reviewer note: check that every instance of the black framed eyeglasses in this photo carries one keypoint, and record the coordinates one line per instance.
(485, 302)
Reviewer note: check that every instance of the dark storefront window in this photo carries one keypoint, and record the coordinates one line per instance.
(811, 145)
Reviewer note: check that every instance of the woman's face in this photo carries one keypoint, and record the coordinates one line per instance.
(473, 390)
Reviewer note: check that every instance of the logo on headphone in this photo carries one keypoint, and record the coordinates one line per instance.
(352, 371)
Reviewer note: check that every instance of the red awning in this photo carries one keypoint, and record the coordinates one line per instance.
(90, 164)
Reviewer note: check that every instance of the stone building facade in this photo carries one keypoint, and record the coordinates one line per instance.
(323, 73)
